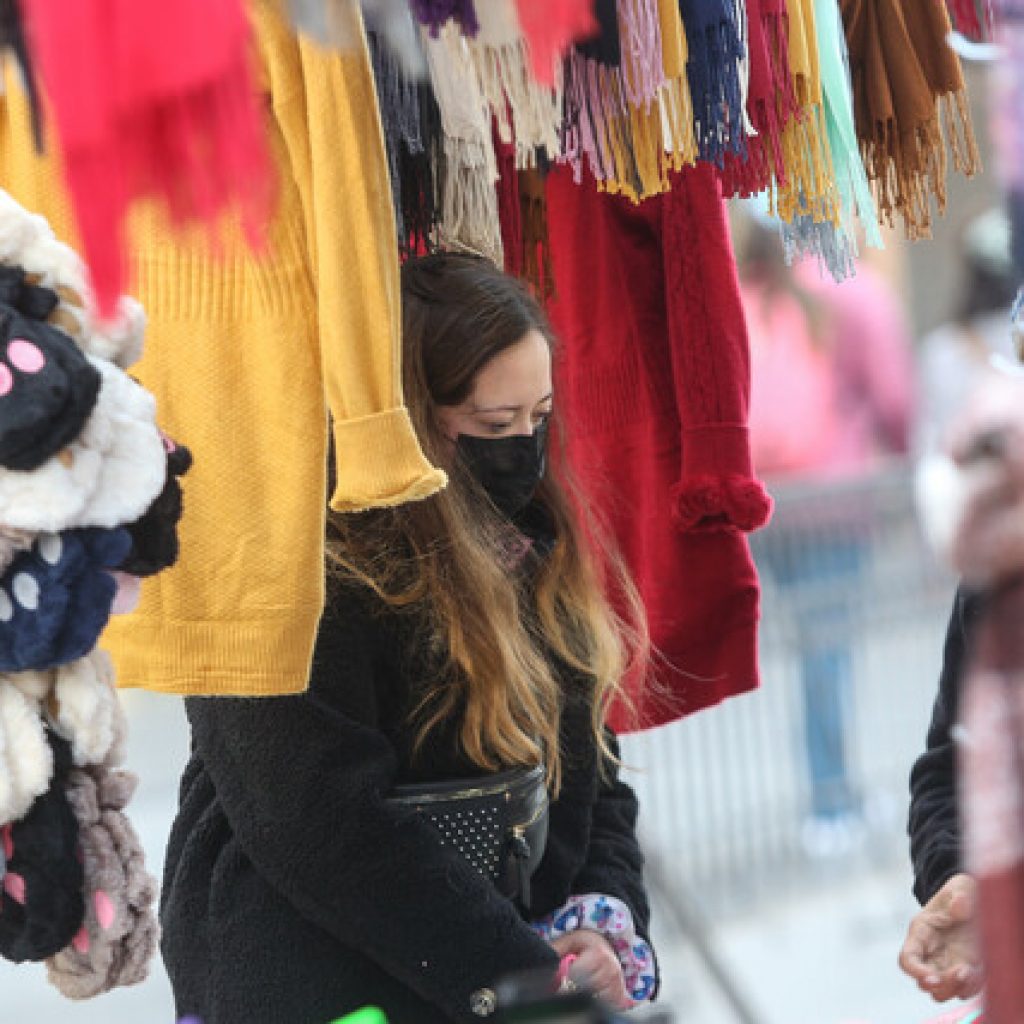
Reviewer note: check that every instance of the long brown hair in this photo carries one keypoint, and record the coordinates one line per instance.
(448, 556)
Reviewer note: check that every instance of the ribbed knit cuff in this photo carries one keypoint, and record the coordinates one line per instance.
(265, 657)
(380, 464)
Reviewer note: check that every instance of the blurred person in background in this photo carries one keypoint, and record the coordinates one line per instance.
(832, 397)
(954, 356)
(941, 949)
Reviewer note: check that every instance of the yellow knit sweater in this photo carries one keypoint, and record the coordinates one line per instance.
(246, 354)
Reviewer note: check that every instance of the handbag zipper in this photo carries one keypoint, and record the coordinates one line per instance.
(493, 789)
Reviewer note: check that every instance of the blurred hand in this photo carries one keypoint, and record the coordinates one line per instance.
(941, 949)
(597, 968)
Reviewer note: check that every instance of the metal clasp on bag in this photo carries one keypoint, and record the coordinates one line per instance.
(522, 852)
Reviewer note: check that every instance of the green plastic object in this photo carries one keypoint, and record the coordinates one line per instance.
(367, 1015)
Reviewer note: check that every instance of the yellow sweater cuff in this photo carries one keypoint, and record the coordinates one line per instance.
(379, 463)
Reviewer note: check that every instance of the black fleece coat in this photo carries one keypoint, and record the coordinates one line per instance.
(294, 893)
(934, 825)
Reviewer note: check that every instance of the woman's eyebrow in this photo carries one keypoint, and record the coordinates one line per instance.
(511, 408)
(496, 408)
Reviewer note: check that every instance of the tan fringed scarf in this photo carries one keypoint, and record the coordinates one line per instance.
(527, 113)
(469, 205)
(910, 102)
(810, 185)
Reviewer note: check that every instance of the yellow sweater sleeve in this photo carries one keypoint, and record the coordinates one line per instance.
(325, 103)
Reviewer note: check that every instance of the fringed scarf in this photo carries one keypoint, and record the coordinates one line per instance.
(836, 245)
(435, 14)
(595, 122)
(509, 210)
(679, 142)
(715, 34)
(536, 264)
(423, 178)
(550, 27)
(165, 106)
(522, 209)
(809, 188)
(12, 37)
(646, 82)
(469, 204)
(771, 102)
(528, 114)
(909, 93)
(612, 114)
(399, 101)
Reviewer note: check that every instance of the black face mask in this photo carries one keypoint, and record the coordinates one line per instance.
(507, 468)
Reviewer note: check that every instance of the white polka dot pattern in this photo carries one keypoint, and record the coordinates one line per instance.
(476, 834)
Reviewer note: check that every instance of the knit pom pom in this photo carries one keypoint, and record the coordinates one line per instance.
(721, 503)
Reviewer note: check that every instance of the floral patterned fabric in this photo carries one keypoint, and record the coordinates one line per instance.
(611, 918)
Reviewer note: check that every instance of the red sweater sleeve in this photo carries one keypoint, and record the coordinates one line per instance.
(710, 359)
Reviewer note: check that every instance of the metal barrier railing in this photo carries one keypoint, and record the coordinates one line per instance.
(738, 799)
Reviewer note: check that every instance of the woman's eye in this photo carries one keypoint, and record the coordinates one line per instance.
(497, 428)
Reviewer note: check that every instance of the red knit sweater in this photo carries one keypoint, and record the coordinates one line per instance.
(654, 381)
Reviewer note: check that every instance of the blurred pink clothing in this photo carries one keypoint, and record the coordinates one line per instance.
(833, 377)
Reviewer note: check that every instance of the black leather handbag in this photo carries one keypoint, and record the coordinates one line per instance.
(498, 823)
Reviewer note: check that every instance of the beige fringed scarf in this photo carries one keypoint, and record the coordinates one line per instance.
(910, 103)
(469, 206)
(526, 112)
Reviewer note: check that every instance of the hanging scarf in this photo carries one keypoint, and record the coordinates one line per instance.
(679, 144)
(640, 37)
(536, 264)
(435, 14)
(528, 115)
(162, 106)
(550, 26)
(423, 177)
(469, 205)
(715, 38)
(646, 84)
(595, 126)
(509, 210)
(399, 115)
(809, 188)
(905, 76)
(836, 245)
(612, 110)
(771, 102)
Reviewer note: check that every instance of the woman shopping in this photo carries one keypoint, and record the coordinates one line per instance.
(442, 807)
